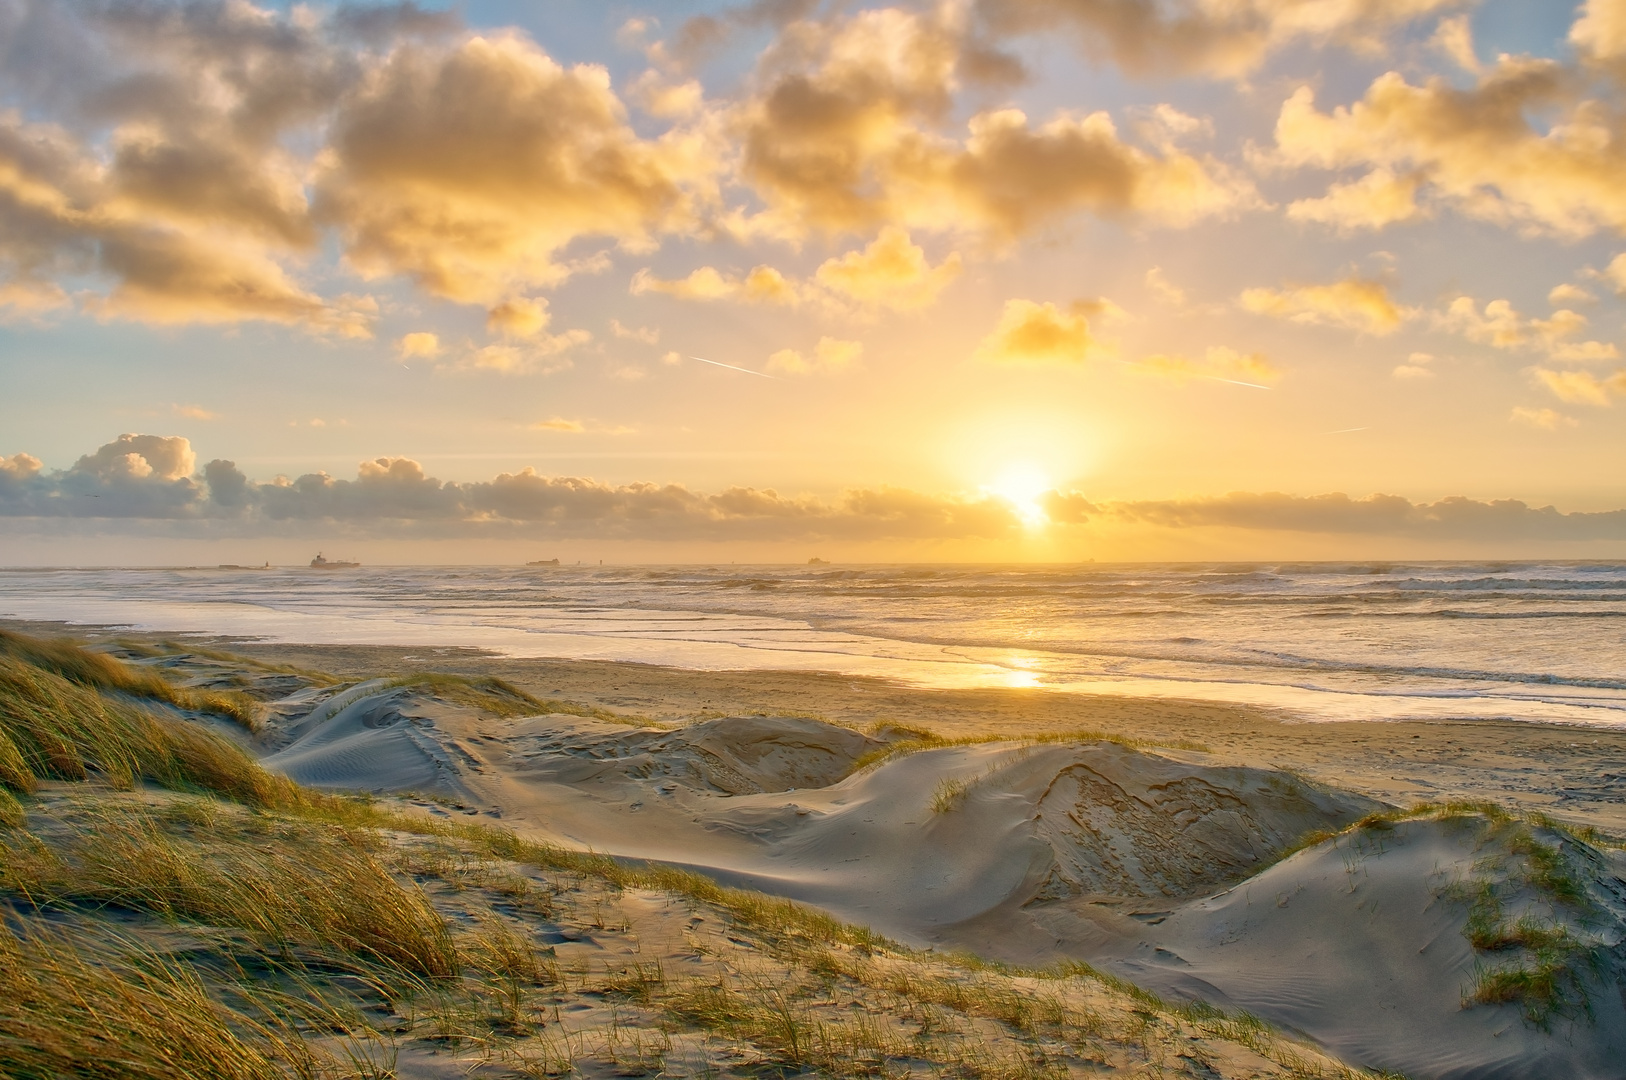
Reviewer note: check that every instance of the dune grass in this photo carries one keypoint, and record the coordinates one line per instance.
(179, 648)
(1536, 962)
(501, 698)
(99, 672)
(286, 884)
(66, 1011)
(53, 727)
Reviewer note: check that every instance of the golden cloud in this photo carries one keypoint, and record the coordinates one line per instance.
(1355, 303)
(1583, 387)
(1615, 272)
(646, 335)
(1500, 325)
(1219, 38)
(1033, 333)
(1378, 199)
(420, 343)
(1545, 419)
(843, 137)
(65, 214)
(1476, 149)
(1600, 31)
(519, 318)
(892, 272)
(830, 357)
(763, 285)
(1569, 294)
(470, 168)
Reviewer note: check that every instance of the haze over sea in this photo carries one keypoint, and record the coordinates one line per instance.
(1527, 641)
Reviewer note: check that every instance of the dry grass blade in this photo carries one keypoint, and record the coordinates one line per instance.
(289, 886)
(56, 728)
(64, 1014)
(98, 672)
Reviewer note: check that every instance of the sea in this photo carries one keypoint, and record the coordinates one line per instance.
(1534, 641)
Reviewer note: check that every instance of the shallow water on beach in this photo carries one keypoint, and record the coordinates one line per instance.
(1530, 641)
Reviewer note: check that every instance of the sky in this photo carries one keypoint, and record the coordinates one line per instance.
(985, 280)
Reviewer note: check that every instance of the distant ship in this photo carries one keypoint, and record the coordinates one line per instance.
(319, 563)
(544, 562)
(816, 561)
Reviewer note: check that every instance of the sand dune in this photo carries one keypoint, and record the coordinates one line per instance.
(1162, 865)
(1359, 943)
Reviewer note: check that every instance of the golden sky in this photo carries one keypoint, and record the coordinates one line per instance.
(977, 279)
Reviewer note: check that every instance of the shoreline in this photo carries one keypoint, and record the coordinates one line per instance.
(1576, 774)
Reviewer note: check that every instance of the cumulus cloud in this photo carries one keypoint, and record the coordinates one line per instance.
(540, 353)
(1500, 325)
(845, 133)
(1415, 367)
(830, 357)
(1034, 333)
(419, 343)
(1545, 419)
(1454, 518)
(1600, 30)
(1354, 303)
(1615, 273)
(1378, 199)
(1219, 38)
(763, 285)
(156, 478)
(646, 335)
(190, 207)
(1569, 294)
(1583, 387)
(396, 497)
(191, 161)
(892, 272)
(470, 168)
(1524, 146)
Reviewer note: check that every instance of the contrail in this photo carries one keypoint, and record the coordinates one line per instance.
(1215, 378)
(1237, 382)
(731, 367)
(1346, 431)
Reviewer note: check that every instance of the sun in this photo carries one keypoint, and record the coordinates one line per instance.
(1021, 485)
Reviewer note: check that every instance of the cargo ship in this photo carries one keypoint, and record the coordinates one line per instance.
(320, 563)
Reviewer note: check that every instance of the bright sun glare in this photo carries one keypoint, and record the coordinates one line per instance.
(1021, 485)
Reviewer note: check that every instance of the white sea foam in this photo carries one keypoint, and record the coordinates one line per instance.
(1531, 641)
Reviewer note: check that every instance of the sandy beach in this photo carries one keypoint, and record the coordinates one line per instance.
(1206, 852)
(1575, 774)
